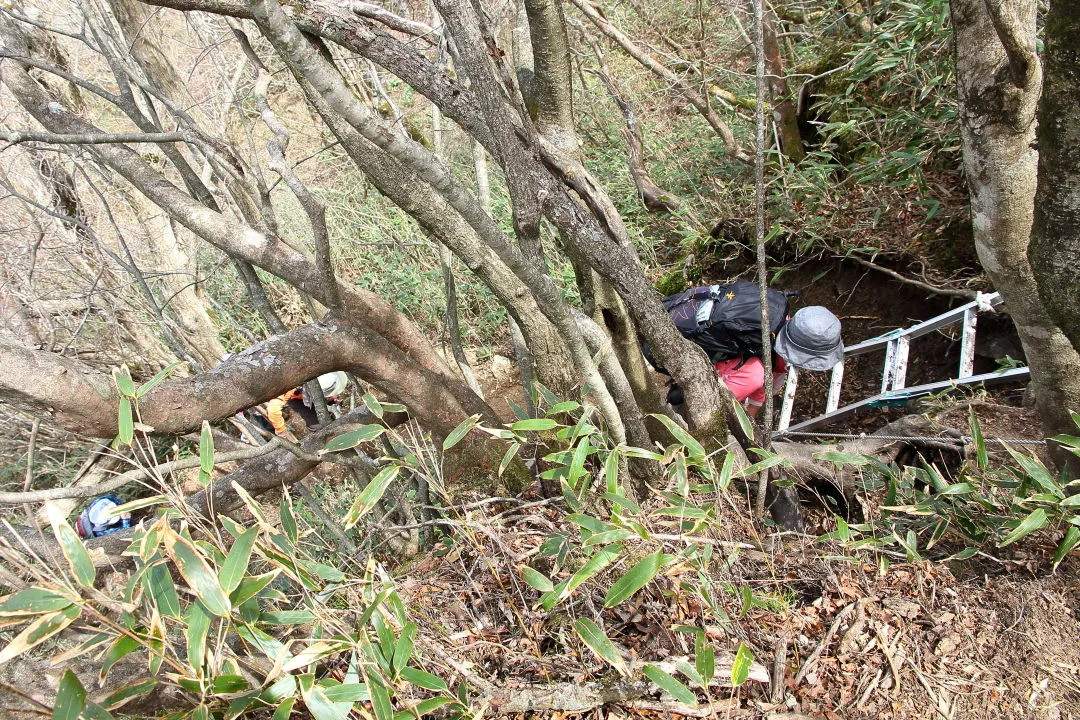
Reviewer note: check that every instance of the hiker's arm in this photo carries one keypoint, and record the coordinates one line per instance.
(273, 414)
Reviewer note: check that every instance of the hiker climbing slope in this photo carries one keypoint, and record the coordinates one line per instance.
(725, 322)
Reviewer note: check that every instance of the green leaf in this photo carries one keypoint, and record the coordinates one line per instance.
(981, 456)
(284, 710)
(347, 692)
(770, 461)
(507, 458)
(1037, 472)
(288, 519)
(962, 488)
(422, 708)
(206, 454)
(611, 473)
(32, 601)
(726, 472)
(745, 422)
(229, 684)
(119, 697)
(639, 453)
(372, 403)
(122, 378)
(564, 407)
(588, 522)
(740, 667)
(460, 432)
(249, 587)
(535, 579)
(121, 648)
(520, 413)
(1070, 541)
(625, 503)
(125, 422)
(597, 641)
(704, 658)
(70, 698)
(964, 554)
(380, 698)
(371, 494)
(534, 425)
(637, 577)
(82, 567)
(153, 382)
(287, 617)
(423, 679)
(577, 465)
(362, 434)
(39, 631)
(695, 448)
(93, 711)
(609, 536)
(403, 650)
(670, 685)
(681, 511)
(196, 571)
(599, 561)
(326, 572)
(198, 626)
(692, 674)
(319, 705)
(1035, 520)
(235, 566)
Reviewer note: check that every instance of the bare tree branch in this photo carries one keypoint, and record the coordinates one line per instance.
(17, 137)
(693, 96)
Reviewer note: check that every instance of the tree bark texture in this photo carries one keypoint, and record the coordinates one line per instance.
(999, 79)
(705, 395)
(783, 106)
(1055, 239)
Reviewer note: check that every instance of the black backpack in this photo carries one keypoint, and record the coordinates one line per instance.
(724, 320)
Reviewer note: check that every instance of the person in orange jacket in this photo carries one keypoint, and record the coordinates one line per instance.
(275, 407)
(332, 384)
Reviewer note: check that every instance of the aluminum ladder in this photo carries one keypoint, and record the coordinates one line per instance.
(896, 345)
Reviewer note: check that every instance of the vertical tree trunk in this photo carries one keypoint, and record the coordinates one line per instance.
(999, 79)
(784, 111)
(1055, 240)
(553, 82)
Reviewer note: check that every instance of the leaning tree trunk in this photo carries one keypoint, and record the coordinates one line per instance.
(1055, 239)
(999, 79)
(553, 94)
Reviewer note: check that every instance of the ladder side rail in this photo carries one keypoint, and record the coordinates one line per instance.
(967, 343)
(889, 368)
(790, 387)
(837, 379)
(955, 315)
(900, 361)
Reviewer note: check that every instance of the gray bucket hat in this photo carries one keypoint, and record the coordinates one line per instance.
(811, 339)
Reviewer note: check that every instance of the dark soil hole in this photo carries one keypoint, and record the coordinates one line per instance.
(806, 591)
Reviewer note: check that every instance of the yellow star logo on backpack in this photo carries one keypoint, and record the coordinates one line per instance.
(730, 296)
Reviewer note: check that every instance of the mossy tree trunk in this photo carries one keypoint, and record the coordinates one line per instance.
(1055, 239)
(999, 77)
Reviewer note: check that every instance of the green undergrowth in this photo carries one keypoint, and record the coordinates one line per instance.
(984, 507)
(264, 611)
